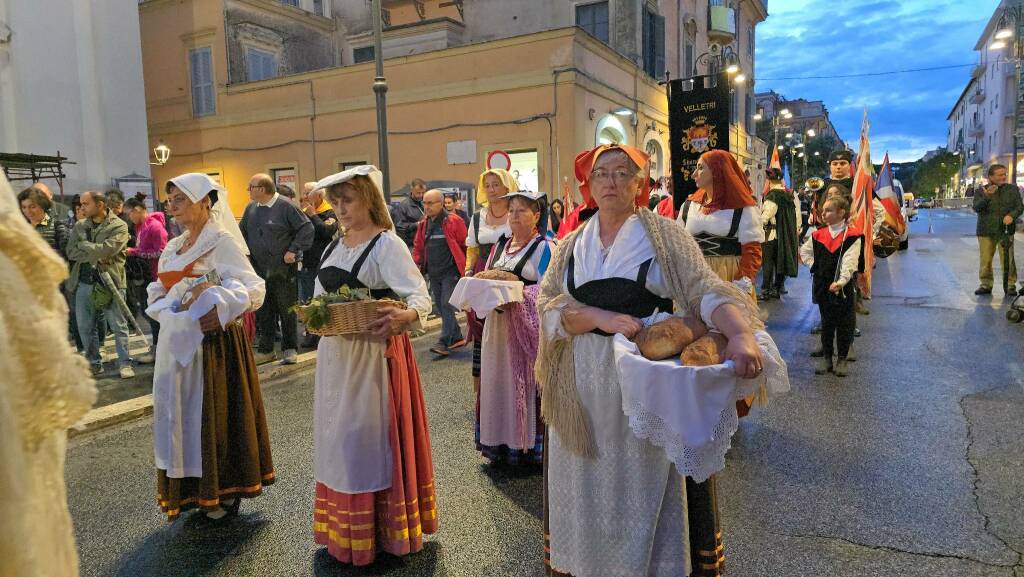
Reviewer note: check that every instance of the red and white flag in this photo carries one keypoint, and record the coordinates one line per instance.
(862, 211)
(885, 190)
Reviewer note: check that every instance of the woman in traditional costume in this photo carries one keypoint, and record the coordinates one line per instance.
(209, 427)
(372, 461)
(616, 505)
(488, 224)
(509, 427)
(724, 219)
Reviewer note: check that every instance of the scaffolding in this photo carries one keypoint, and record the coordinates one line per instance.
(34, 167)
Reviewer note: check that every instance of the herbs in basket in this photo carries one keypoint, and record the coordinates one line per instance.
(344, 312)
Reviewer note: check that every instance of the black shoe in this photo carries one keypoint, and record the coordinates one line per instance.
(983, 290)
(1011, 291)
(310, 341)
(817, 353)
(856, 332)
(783, 291)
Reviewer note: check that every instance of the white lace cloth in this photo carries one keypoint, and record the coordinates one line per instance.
(483, 295)
(690, 411)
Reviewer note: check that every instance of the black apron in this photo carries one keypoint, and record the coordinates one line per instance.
(521, 263)
(619, 295)
(333, 278)
(714, 245)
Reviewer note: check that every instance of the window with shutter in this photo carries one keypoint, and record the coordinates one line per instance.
(654, 44)
(260, 64)
(201, 71)
(594, 19)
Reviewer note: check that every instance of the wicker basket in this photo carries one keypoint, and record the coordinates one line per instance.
(350, 318)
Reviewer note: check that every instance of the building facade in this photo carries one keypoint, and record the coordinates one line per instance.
(71, 80)
(807, 115)
(981, 123)
(539, 79)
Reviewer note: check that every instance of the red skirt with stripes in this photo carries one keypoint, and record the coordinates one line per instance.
(354, 527)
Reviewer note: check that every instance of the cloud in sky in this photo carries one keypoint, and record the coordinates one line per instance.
(826, 38)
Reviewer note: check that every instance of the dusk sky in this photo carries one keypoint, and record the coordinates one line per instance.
(907, 111)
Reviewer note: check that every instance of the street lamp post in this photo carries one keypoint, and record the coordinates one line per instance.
(1013, 15)
(380, 88)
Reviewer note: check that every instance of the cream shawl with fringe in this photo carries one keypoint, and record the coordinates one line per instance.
(689, 280)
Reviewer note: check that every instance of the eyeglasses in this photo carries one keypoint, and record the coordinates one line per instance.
(620, 176)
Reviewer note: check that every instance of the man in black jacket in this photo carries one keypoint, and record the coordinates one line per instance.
(409, 212)
(998, 206)
(325, 226)
(277, 234)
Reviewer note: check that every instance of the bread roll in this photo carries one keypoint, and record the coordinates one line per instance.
(705, 351)
(494, 274)
(669, 337)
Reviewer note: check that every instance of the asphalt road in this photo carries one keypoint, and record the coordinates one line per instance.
(911, 466)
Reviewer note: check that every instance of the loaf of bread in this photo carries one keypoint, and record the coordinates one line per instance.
(668, 338)
(494, 274)
(705, 351)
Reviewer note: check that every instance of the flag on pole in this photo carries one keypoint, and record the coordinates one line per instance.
(862, 211)
(568, 199)
(886, 193)
(775, 163)
(786, 178)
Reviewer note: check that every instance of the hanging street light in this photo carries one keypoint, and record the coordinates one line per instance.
(162, 153)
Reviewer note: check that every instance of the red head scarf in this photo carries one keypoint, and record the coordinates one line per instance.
(586, 160)
(731, 189)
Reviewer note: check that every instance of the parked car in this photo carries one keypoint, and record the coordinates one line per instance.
(925, 203)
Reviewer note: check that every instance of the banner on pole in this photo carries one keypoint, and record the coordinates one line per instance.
(698, 121)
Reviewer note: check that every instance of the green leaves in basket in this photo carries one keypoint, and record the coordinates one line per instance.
(315, 313)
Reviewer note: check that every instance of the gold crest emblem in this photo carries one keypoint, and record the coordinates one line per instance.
(700, 137)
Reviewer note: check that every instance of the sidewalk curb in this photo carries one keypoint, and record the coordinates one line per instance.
(124, 411)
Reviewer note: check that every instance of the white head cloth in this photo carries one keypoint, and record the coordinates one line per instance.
(198, 186)
(368, 170)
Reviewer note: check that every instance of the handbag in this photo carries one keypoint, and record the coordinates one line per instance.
(101, 297)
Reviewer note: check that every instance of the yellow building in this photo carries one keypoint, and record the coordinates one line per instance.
(236, 87)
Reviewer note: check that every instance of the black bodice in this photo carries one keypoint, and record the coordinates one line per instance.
(714, 245)
(333, 278)
(517, 269)
(619, 295)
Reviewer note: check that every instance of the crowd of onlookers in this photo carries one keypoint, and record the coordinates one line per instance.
(112, 246)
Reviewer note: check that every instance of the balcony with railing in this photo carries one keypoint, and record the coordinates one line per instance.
(975, 129)
(979, 70)
(977, 96)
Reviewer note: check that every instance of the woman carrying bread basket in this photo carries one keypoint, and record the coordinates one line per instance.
(509, 427)
(616, 506)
